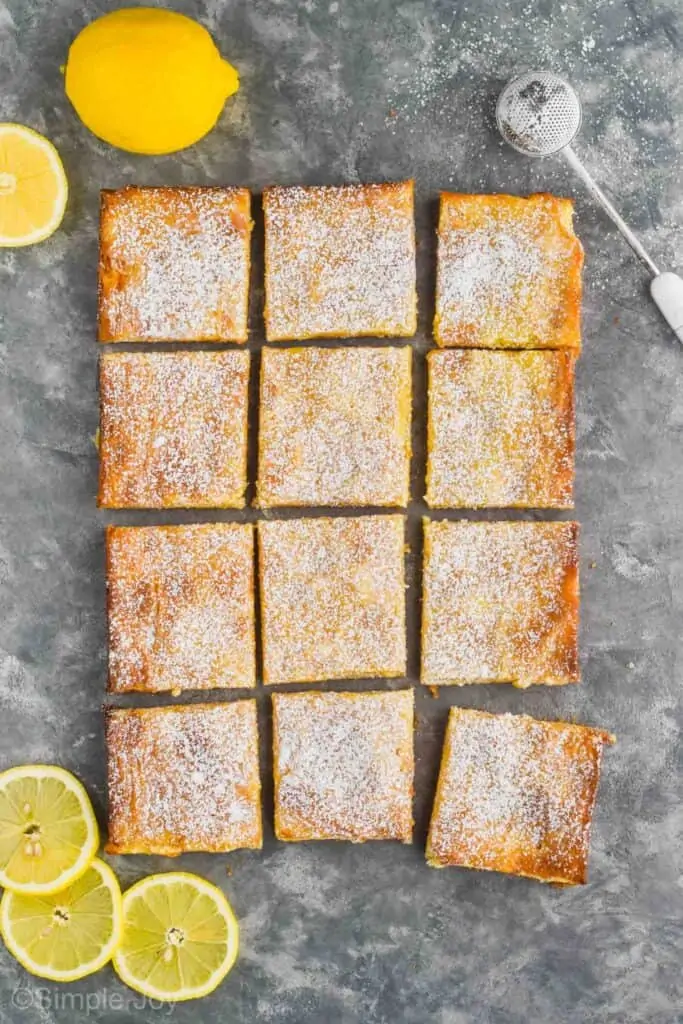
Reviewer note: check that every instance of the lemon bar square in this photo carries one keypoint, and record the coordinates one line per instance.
(500, 430)
(508, 273)
(332, 598)
(343, 766)
(173, 429)
(516, 795)
(335, 427)
(340, 261)
(183, 778)
(180, 602)
(500, 603)
(174, 264)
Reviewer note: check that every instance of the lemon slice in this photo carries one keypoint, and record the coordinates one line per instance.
(33, 186)
(48, 832)
(69, 934)
(180, 937)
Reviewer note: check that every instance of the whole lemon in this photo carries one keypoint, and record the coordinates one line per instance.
(148, 80)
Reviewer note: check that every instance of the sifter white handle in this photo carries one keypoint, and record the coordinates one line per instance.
(667, 291)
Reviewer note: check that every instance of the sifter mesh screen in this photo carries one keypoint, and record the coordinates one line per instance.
(538, 113)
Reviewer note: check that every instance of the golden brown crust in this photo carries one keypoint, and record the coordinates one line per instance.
(180, 602)
(173, 429)
(183, 778)
(500, 603)
(343, 766)
(516, 795)
(508, 273)
(340, 262)
(500, 429)
(174, 264)
(334, 427)
(332, 598)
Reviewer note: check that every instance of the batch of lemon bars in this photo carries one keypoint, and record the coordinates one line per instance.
(314, 590)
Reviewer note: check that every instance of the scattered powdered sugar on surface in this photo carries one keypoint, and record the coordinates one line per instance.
(335, 426)
(173, 429)
(446, 73)
(181, 607)
(332, 598)
(501, 427)
(500, 603)
(507, 273)
(174, 264)
(340, 261)
(345, 765)
(516, 795)
(183, 778)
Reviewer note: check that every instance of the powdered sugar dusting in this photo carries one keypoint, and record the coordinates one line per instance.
(501, 429)
(183, 778)
(173, 429)
(500, 603)
(332, 598)
(181, 607)
(508, 273)
(335, 426)
(344, 765)
(516, 795)
(340, 262)
(174, 264)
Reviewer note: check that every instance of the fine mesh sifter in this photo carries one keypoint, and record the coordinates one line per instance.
(539, 114)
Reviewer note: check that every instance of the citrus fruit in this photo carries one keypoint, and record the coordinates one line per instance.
(48, 831)
(33, 186)
(180, 937)
(148, 80)
(68, 934)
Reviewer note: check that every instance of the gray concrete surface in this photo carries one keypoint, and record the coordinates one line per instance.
(346, 90)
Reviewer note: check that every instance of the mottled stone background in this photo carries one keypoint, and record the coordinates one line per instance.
(346, 90)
